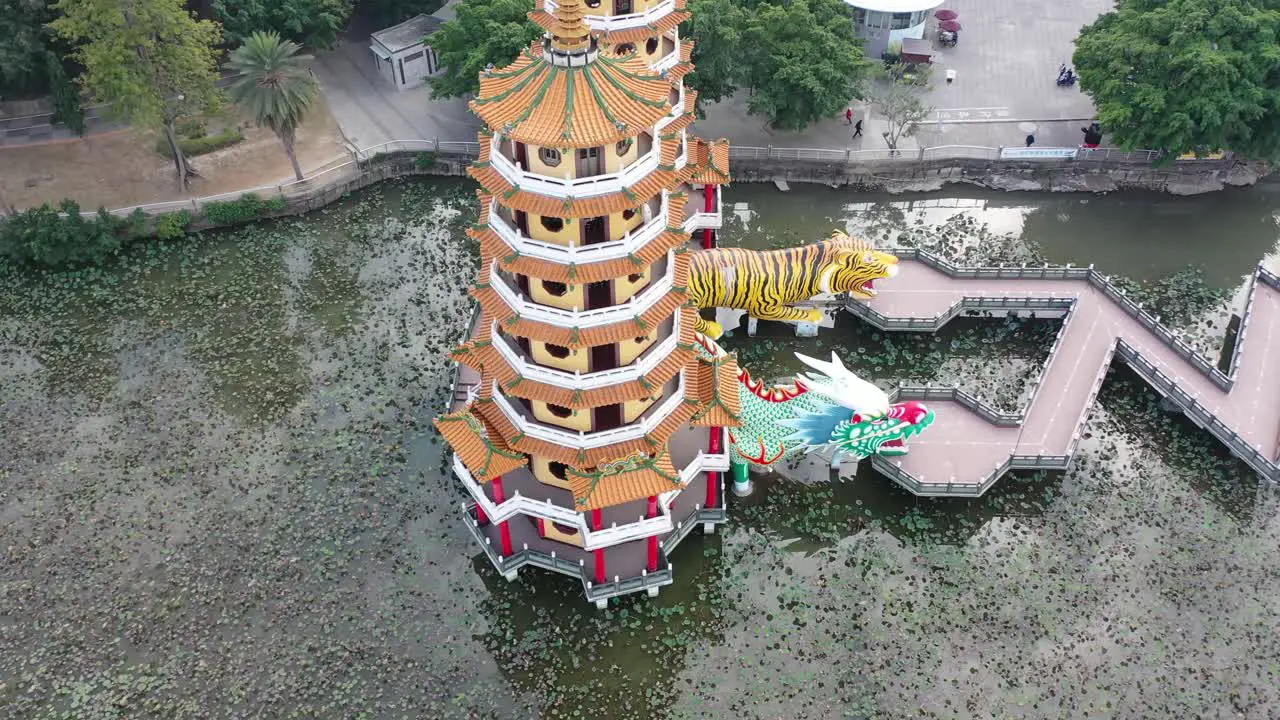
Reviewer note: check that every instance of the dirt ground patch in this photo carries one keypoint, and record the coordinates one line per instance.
(122, 169)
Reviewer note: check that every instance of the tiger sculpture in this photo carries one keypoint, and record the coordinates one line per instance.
(767, 283)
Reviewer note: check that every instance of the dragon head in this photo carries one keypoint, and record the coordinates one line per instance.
(856, 266)
(884, 435)
(857, 417)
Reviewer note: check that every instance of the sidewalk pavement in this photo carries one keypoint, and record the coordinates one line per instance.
(371, 112)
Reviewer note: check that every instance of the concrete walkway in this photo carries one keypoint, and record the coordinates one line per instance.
(970, 445)
(371, 112)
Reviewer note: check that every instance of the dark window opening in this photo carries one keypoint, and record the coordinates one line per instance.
(628, 214)
(557, 351)
(560, 410)
(640, 340)
(651, 45)
(635, 277)
(554, 224)
(559, 470)
(557, 289)
(564, 529)
(625, 48)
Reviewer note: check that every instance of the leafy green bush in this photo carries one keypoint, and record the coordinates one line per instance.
(171, 226)
(425, 160)
(200, 145)
(66, 101)
(59, 237)
(192, 127)
(248, 207)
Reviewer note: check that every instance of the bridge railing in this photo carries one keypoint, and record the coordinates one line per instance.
(1095, 279)
(1197, 412)
(1246, 317)
(929, 392)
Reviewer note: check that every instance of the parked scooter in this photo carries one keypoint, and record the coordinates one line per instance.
(1066, 78)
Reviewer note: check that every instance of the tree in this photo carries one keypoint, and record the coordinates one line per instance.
(899, 98)
(482, 34)
(66, 101)
(385, 13)
(23, 43)
(1181, 75)
(275, 86)
(150, 61)
(312, 22)
(716, 29)
(801, 62)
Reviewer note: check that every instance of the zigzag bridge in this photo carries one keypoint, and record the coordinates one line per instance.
(972, 445)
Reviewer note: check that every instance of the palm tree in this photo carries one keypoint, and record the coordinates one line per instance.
(275, 88)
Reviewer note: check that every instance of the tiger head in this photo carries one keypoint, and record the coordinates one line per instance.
(855, 266)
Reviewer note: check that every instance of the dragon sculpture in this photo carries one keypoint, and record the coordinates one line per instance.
(768, 283)
(833, 408)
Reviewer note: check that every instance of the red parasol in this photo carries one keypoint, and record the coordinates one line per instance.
(946, 14)
(949, 25)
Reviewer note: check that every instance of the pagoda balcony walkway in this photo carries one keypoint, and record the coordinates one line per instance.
(698, 218)
(525, 495)
(970, 446)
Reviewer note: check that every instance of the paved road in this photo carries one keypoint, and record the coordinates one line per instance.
(963, 448)
(1006, 64)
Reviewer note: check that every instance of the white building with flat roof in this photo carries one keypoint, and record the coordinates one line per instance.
(883, 24)
(402, 54)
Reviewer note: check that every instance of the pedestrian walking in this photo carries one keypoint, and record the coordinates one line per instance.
(857, 129)
(848, 116)
(1031, 140)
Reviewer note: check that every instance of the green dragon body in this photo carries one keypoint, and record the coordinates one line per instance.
(836, 409)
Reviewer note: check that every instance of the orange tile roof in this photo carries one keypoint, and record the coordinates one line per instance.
(607, 100)
(478, 445)
(623, 480)
(637, 35)
(717, 392)
(712, 161)
(665, 177)
(654, 441)
(492, 246)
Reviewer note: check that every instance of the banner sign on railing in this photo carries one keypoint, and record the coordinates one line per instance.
(1033, 153)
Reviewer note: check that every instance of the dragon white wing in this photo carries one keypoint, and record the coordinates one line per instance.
(843, 387)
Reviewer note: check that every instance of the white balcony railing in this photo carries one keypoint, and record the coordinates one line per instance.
(668, 61)
(581, 254)
(635, 306)
(676, 111)
(518, 504)
(583, 440)
(587, 381)
(698, 217)
(622, 22)
(574, 187)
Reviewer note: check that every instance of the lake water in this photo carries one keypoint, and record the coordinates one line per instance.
(222, 496)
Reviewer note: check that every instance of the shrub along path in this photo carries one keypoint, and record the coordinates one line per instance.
(123, 168)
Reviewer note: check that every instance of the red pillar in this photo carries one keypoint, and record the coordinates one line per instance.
(713, 476)
(480, 516)
(597, 523)
(542, 528)
(503, 529)
(708, 239)
(653, 539)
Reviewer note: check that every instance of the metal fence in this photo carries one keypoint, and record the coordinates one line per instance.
(330, 174)
(961, 152)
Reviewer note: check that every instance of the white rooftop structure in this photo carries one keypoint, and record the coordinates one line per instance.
(402, 54)
(884, 24)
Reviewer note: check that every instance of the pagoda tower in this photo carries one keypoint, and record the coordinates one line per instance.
(591, 439)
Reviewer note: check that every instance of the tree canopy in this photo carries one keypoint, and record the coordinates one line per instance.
(801, 61)
(147, 60)
(716, 29)
(23, 43)
(274, 87)
(482, 34)
(311, 22)
(1181, 75)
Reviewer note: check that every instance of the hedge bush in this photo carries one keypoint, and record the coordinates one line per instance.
(58, 237)
(201, 145)
(248, 207)
(171, 226)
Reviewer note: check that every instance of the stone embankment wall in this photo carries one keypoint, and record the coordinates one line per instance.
(1182, 178)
